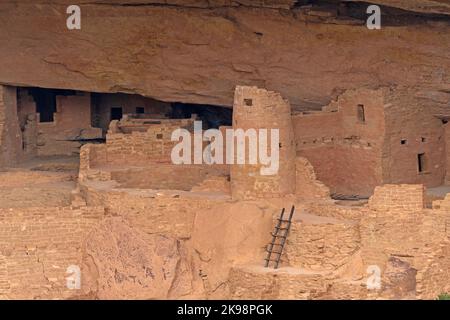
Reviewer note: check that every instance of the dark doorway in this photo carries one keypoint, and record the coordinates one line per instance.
(116, 113)
(212, 116)
(45, 100)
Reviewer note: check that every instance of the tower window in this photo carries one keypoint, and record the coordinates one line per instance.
(421, 162)
(361, 113)
(248, 102)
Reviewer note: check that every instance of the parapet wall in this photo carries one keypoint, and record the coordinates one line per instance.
(142, 143)
(404, 198)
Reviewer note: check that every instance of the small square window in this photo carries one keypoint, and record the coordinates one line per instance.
(140, 110)
(248, 102)
(403, 141)
(423, 139)
(159, 136)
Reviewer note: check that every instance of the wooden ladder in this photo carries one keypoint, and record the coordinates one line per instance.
(279, 236)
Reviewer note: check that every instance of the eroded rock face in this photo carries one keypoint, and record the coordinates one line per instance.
(230, 235)
(198, 52)
(124, 263)
(399, 279)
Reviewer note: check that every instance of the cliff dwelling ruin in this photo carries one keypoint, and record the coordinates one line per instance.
(88, 184)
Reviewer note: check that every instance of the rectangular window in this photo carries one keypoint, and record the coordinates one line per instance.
(248, 102)
(361, 114)
(140, 110)
(421, 162)
(116, 113)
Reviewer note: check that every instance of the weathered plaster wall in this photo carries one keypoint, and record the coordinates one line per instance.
(413, 121)
(345, 151)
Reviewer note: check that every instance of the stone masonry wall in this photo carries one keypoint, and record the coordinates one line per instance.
(307, 186)
(71, 123)
(345, 149)
(36, 247)
(256, 109)
(153, 144)
(433, 279)
(403, 198)
(166, 176)
(259, 283)
(398, 228)
(156, 176)
(412, 129)
(104, 102)
(321, 246)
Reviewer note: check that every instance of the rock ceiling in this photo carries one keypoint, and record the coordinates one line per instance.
(197, 51)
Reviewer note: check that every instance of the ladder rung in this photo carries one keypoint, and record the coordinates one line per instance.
(274, 260)
(270, 250)
(278, 235)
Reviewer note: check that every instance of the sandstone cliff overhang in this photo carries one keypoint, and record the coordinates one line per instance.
(198, 51)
